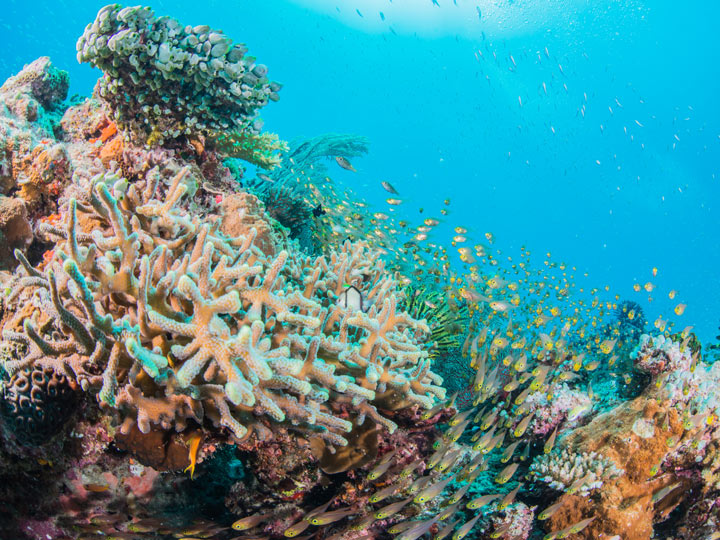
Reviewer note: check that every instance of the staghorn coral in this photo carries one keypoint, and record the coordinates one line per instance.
(36, 403)
(561, 469)
(243, 212)
(183, 80)
(170, 321)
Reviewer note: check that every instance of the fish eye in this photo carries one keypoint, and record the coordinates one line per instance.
(315, 521)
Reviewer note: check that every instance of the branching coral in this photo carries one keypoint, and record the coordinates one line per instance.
(261, 149)
(171, 321)
(162, 79)
(562, 469)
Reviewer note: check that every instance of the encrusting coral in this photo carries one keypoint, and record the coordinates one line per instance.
(169, 321)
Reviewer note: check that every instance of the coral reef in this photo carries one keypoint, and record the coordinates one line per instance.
(664, 440)
(33, 168)
(190, 353)
(183, 80)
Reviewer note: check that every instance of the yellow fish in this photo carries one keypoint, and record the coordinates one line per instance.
(549, 511)
(296, 529)
(607, 346)
(384, 493)
(193, 450)
(462, 531)
(250, 521)
(432, 491)
(508, 499)
(550, 442)
(479, 502)
(506, 474)
(391, 509)
(378, 471)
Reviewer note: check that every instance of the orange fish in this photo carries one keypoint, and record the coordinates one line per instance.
(193, 450)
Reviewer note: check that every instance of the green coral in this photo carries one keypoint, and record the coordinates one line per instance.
(162, 79)
(261, 149)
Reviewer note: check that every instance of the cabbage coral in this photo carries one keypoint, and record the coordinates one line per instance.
(162, 79)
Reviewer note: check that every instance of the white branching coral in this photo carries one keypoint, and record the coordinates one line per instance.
(565, 470)
(169, 320)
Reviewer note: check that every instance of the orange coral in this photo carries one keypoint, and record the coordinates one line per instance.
(44, 171)
(112, 151)
(107, 132)
(624, 505)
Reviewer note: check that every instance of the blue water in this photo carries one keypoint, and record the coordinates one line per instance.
(443, 122)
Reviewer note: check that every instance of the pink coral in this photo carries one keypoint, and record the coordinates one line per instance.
(517, 523)
(551, 413)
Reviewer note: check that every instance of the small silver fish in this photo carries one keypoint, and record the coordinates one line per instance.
(389, 187)
(344, 163)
